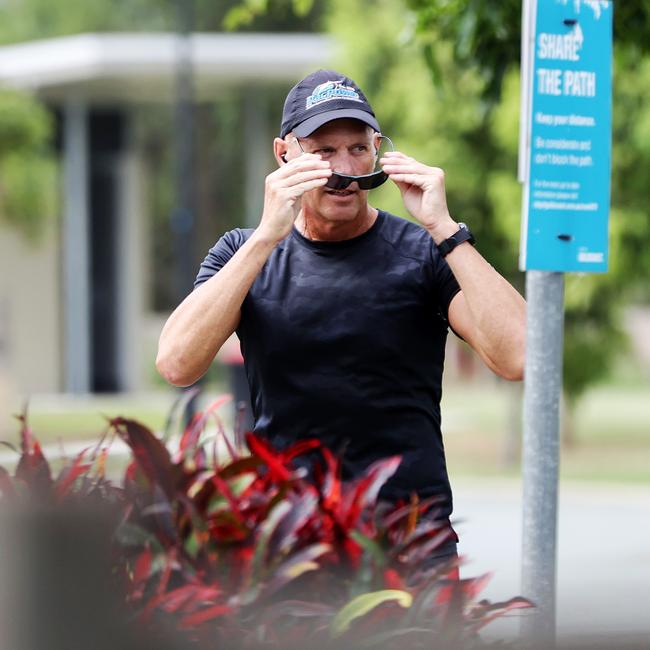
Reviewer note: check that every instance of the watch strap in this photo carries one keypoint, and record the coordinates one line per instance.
(463, 234)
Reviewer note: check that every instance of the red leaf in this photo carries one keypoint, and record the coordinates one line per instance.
(290, 569)
(170, 559)
(393, 580)
(241, 466)
(424, 548)
(367, 488)
(272, 459)
(142, 566)
(33, 469)
(70, 474)
(180, 598)
(501, 609)
(332, 481)
(287, 529)
(225, 490)
(27, 439)
(204, 615)
(392, 518)
(468, 589)
(192, 433)
(300, 448)
(150, 454)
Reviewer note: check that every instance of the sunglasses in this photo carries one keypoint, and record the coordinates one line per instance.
(365, 181)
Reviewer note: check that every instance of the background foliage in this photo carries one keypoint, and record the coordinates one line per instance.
(27, 168)
(443, 77)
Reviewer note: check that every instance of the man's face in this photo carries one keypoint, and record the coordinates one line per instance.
(349, 146)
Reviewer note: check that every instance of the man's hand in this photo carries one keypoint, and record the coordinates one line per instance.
(283, 192)
(423, 192)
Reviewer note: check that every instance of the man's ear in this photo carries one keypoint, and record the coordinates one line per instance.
(377, 137)
(280, 147)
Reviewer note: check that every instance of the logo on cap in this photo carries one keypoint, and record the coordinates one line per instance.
(329, 90)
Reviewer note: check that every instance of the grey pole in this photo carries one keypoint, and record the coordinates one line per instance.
(541, 447)
(183, 217)
(184, 214)
(257, 144)
(76, 262)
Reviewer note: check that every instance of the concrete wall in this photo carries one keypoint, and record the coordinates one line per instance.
(30, 317)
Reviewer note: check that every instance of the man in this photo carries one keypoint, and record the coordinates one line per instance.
(342, 309)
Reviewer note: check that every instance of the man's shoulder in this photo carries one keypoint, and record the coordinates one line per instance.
(235, 237)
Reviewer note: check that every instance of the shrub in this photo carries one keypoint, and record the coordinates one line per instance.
(241, 550)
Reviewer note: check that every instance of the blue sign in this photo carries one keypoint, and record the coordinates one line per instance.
(567, 195)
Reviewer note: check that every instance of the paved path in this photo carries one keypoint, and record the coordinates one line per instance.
(603, 552)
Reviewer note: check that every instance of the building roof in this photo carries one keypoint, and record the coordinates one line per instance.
(129, 67)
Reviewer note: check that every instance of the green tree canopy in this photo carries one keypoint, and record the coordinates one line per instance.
(467, 122)
(487, 35)
(27, 167)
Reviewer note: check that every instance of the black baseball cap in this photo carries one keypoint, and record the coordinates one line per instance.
(323, 96)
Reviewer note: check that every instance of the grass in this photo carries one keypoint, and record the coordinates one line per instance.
(612, 433)
(612, 422)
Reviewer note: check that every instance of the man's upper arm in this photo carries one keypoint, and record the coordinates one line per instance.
(220, 253)
(460, 320)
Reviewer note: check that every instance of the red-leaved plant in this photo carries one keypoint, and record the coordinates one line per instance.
(241, 550)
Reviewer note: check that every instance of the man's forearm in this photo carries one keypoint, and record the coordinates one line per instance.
(496, 310)
(199, 326)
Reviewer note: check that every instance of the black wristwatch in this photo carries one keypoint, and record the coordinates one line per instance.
(463, 234)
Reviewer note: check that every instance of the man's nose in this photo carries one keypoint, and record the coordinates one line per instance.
(344, 163)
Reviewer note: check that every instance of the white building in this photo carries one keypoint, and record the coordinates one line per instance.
(76, 312)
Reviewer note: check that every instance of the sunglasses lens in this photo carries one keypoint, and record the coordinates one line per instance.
(338, 181)
(371, 181)
(368, 182)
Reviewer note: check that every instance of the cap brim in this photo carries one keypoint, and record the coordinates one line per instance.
(310, 125)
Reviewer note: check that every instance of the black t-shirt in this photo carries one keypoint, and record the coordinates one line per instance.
(345, 341)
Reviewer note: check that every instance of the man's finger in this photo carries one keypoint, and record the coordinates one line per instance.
(305, 186)
(307, 175)
(406, 166)
(411, 179)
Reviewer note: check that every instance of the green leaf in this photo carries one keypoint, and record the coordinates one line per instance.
(133, 535)
(193, 544)
(361, 605)
(266, 531)
(302, 7)
(371, 547)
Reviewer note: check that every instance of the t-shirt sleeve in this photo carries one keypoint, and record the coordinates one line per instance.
(219, 254)
(446, 284)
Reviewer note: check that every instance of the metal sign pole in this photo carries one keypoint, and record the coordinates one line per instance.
(541, 450)
(542, 388)
(565, 154)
